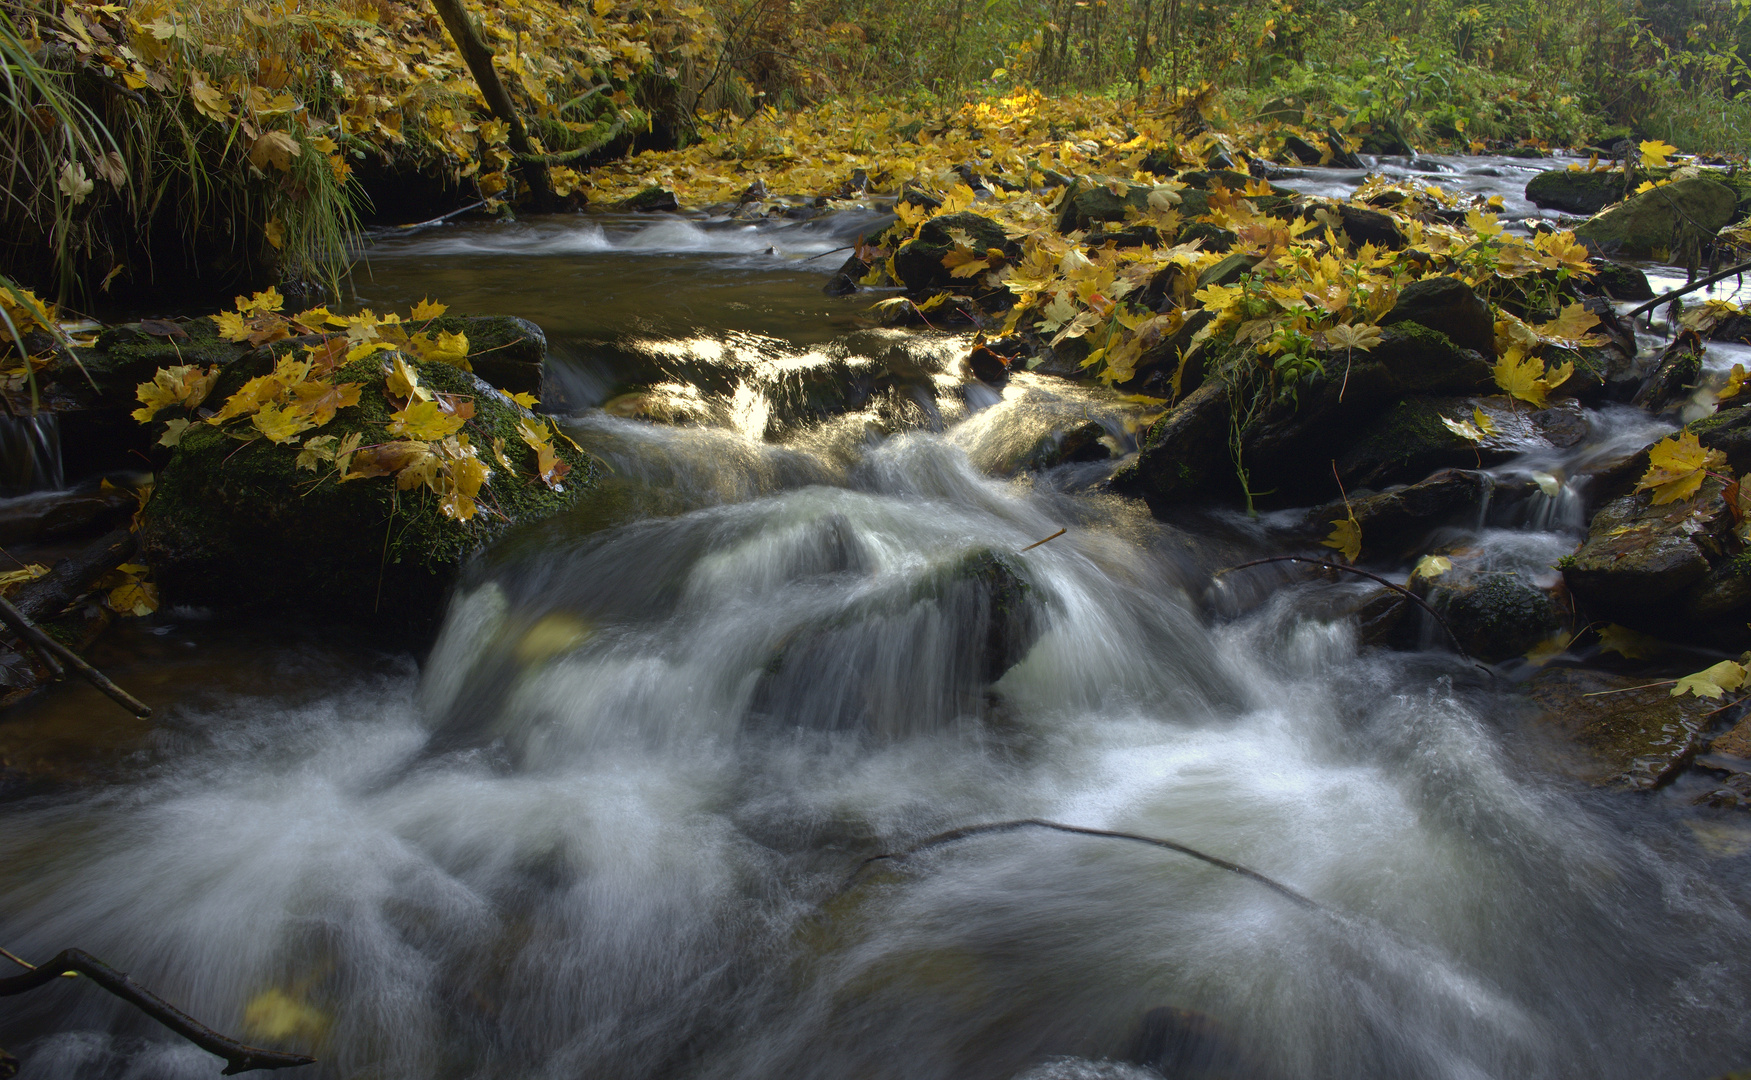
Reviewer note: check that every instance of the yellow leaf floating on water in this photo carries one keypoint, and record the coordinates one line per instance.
(1712, 682)
(1548, 649)
(1677, 467)
(277, 1016)
(1346, 537)
(554, 633)
(1430, 567)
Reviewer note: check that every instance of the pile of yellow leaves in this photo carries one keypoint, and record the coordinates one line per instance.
(424, 445)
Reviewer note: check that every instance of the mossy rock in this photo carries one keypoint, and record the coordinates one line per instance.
(919, 261)
(1449, 305)
(1085, 204)
(126, 356)
(1575, 191)
(235, 524)
(1637, 555)
(1185, 455)
(1495, 616)
(508, 352)
(1409, 441)
(1666, 219)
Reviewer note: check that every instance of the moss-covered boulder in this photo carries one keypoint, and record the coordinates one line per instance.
(1394, 522)
(1449, 305)
(235, 522)
(1662, 221)
(919, 260)
(1639, 558)
(1574, 191)
(1086, 203)
(1409, 440)
(1184, 456)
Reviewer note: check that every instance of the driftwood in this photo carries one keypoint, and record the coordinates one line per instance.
(989, 828)
(478, 55)
(238, 1057)
(73, 577)
(50, 650)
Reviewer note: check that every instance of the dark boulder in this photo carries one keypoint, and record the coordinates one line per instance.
(1495, 616)
(1573, 191)
(652, 199)
(1409, 441)
(1450, 306)
(1086, 204)
(1185, 455)
(919, 260)
(1673, 377)
(1393, 522)
(1631, 736)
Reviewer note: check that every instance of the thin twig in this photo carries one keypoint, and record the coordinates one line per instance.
(32, 633)
(238, 1057)
(823, 254)
(441, 218)
(1676, 293)
(1376, 578)
(1627, 689)
(1048, 539)
(989, 828)
(28, 966)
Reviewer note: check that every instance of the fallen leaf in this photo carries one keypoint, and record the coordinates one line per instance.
(1346, 537)
(1677, 467)
(1711, 682)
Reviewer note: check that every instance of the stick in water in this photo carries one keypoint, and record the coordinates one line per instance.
(1413, 597)
(30, 632)
(238, 1057)
(1037, 543)
(988, 828)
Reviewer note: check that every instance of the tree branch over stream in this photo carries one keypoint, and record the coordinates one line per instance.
(238, 1057)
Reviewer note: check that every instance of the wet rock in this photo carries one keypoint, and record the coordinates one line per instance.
(652, 199)
(1638, 555)
(1450, 306)
(1495, 616)
(1575, 192)
(1621, 282)
(1735, 743)
(1657, 223)
(919, 261)
(1078, 444)
(235, 526)
(844, 280)
(1611, 371)
(1086, 204)
(1186, 1043)
(1409, 441)
(1563, 425)
(1185, 455)
(508, 352)
(1673, 377)
(1302, 151)
(1632, 738)
(1365, 226)
(1728, 431)
(1393, 521)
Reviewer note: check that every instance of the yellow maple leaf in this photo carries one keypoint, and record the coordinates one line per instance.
(231, 326)
(403, 382)
(1346, 538)
(528, 401)
(137, 598)
(275, 231)
(1712, 682)
(280, 425)
(260, 303)
(424, 420)
(1522, 377)
(1627, 643)
(1465, 429)
(1655, 152)
(1571, 326)
(1677, 467)
(209, 102)
(319, 400)
(444, 348)
(1735, 384)
(274, 148)
(1430, 567)
(425, 310)
(277, 1016)
(30, 572)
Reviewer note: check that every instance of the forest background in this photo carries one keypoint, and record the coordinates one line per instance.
(236, 144)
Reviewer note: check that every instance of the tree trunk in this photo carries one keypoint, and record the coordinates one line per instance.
(478, 55)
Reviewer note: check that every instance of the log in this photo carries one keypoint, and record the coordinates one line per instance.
(73, 577)
(478, 55)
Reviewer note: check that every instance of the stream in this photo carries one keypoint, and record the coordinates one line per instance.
(609, 826)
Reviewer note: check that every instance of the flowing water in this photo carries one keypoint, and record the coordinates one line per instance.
(612, 826)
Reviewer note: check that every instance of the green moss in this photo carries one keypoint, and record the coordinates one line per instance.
(236, 521)
(1567, 562)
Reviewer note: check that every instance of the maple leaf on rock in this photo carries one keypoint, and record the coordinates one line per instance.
(1677, 468)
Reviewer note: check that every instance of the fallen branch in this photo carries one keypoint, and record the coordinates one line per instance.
(238, 1057)
(966, 831)
(441, 218)
(477, 54)
(1376, 578)
(42, 642)
(1047, 540)
(73, 576)
(1692, 287)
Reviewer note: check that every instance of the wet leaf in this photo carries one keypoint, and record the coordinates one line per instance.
(174, 430)
(1346, 538)
(1654, 153)
(137, 598)
(1677, 467)
(426, 310)
(1628, 643)
(30, 572)
(276, 1016)
(427, 420)
(1711, 682)
(1430, 567)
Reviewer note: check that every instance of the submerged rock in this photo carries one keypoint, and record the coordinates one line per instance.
(1634, 738)
(1663, 221)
